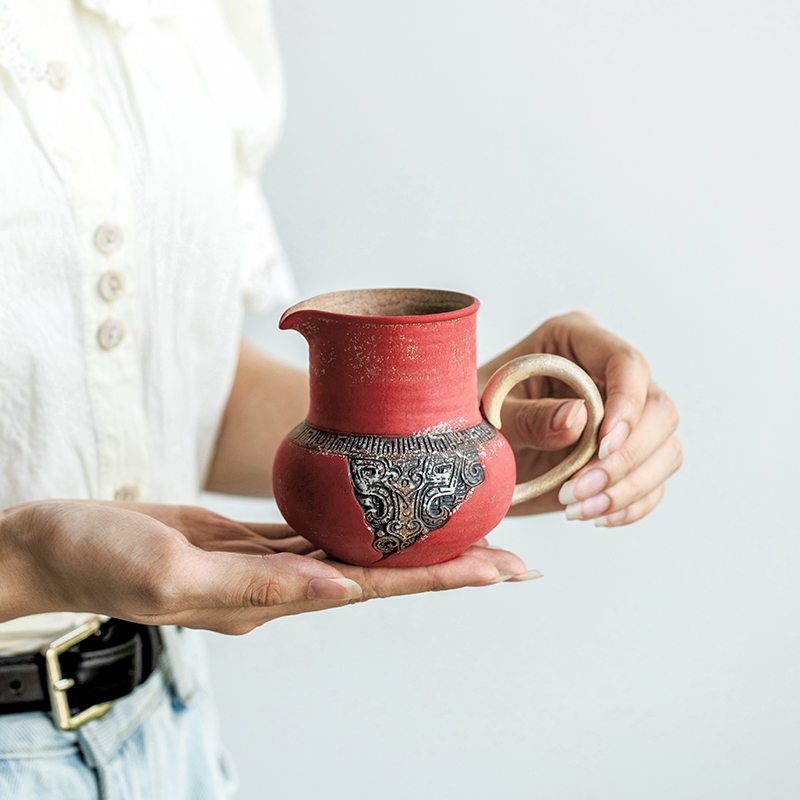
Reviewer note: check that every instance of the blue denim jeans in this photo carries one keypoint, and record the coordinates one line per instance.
(159, 743)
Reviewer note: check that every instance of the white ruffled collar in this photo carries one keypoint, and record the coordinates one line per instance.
(21, 55)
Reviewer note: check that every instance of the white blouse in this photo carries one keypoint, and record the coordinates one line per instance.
(133, 237)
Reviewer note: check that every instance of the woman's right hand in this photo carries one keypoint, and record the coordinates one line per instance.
(181, 565)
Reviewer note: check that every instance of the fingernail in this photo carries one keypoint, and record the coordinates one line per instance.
(612, 441)
(612, 519)
(503, 576)
(590, 508)
(530, 575)
(566, 415)
(333, 589)
(493, 547)
(582, 488)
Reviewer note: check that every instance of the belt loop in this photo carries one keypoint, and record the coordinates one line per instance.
(179, 663)
(100, 740)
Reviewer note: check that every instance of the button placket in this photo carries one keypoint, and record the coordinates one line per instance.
(89, 156)
(111, 286)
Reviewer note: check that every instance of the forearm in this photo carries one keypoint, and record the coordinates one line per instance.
(14, 600)
(267, 400)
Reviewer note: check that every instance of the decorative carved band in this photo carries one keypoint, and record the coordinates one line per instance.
(356, 445)
(407, 486)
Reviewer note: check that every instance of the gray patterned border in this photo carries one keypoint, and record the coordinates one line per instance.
(392, 446)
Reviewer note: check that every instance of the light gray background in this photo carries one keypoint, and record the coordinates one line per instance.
(637, 160)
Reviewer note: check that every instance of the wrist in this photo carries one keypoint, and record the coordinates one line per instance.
(21, 529)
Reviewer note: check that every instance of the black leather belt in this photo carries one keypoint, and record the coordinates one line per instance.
(80, 674)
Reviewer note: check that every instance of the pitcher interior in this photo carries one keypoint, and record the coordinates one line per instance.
(388, 302)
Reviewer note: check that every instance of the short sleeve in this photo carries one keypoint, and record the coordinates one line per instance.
(251, 82)
(256, 107)
(266, 276)
(245, 78)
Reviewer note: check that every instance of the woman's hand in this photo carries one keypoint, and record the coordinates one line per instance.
(638, 450)
(179, 565)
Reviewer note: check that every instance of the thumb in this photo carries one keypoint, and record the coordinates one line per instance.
(546, 424)
(235, 580)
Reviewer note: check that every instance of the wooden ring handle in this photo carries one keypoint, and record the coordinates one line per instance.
(508, 376)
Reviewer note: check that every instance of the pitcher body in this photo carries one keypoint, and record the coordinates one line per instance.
(394, 464)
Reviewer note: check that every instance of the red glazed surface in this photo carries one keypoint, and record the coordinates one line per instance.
(390, 375)
(388, 363)
(315, 495)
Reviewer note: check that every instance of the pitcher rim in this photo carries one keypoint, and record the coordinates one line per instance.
(313, 305)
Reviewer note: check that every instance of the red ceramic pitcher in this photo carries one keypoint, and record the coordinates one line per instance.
(395, 464)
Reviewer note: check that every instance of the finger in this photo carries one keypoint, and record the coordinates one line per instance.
(465, 570)
(627, 380)
(546, 424)
(281, 537)
(270, 530)
(255, 546)
(232, 580)
(635, 486)
(479, 566)
(658, 422)
(294, 544)
(505, 561)
(648, 477)
(246, 606)
(633, 512)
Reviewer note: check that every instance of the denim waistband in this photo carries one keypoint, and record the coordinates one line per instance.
(160, 742)
(33, 734)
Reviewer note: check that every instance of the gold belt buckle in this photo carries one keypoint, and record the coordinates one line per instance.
(58, 685)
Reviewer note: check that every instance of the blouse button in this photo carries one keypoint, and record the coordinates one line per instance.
(108, 238)
(110, 334)
(111, 285)
(56, 75)
(127, 494)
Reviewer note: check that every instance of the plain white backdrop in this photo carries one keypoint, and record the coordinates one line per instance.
(636, 160)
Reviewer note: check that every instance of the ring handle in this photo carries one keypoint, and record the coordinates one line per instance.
(508, 376)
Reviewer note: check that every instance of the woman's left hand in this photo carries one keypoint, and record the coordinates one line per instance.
(638, 449)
